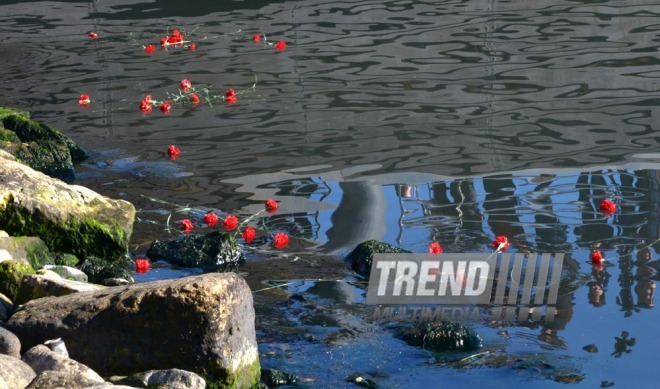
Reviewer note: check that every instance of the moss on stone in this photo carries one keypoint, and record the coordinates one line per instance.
(65, 259)
(4, 112)
(8, 136)
(11, 274)
(362, 256)
(246, 377)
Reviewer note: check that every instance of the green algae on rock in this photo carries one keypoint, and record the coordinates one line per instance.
(32, 249)
(362, 256)
(39, 146)
(11, 274)
(68, 218)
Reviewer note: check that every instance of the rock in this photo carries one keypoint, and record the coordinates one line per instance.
(6, 307)
(33, 249)
(171, 378)
(3, 234)
(38, 286)
(68, 272)
(68, 218)
(5, 256)
(440, 336)
(9, 343)
(362, 256)
(65, 259)
(40, 358)
(213, 251)
(11, 274)
(98, 270)
(15, 373)
(361, 381)
(117, 281)
(204, 324)
(39, 146)
(274, 378)
(49, 379)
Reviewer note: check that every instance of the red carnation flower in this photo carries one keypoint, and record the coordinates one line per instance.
(210, 219)
(596, 257)
(186, 225)
(164, 42)
(280, 240)
(84, 101)
(193, 47)
(500, 243)
(230, 96)
(607, 207)
(185, 85)
(165, 106)
(149, 49)
(249, 234)
(271, 206)
(280, 46)
(176, 33)
(141, 265)
(435, 248)
(93, 35)
(230, 223)
(173, 152)
(194, 98)
(145, 105)
(256, 38)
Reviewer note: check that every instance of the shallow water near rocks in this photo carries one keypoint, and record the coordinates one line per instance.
(404, 121)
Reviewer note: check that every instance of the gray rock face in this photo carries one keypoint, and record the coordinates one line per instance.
(9, 343)
(171, 378)
(204, 324)
(38, 286)
(6, 307)
(50, 379)
(14, 373)
(40, 358)
(68, 218)
(68, 272)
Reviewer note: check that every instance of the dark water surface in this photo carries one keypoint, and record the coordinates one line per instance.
(404, 121)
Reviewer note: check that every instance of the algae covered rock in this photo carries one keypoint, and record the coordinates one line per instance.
(440, 336)
(39, 146)
(11, 275)
(213, 251)
(98, 270)
(68, 218)
(34, 250)
(362, 256)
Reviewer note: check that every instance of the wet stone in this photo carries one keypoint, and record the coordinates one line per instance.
(274, 378)
(215, 251)
(440, 336)
(362, 256)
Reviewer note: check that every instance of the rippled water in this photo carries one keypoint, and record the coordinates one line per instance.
(405, 121)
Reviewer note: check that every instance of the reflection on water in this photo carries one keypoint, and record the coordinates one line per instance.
(406, 121)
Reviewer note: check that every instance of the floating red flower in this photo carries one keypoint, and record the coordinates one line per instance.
(280, 46)
(256, 38)
(164, 42)
(165, 106)
(193, 47)
(280, 240)
(501, 243)
(185, 85)
(596, 257)
(607, 207)
(145, 105)
(211, 219)
(435, 248)
(271, 206)
(149, 49)
(93, 35)
(141, 265)
(84, 101)
(230, 96)
(249, 234)
(194, 98)
(186, 225)
(230, 223)
(173, 152)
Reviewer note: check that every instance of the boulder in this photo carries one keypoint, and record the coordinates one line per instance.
(68, 272)
(38, 286)
(204, 324)
(14, 373)
(9, 343)
(39, 146)
(40, 358)
(98, 270)
(34, 250)
(68, 218)
(11, 274)
(212, 252)
(4, 255)
(49, 379)
(170, 378)
(4, 234)
(439, 336)
(362, 256)
(6, 307)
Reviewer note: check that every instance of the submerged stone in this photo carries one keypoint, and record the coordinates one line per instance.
(274, 378)
(440, 336)
(215, 251)
(362, 256)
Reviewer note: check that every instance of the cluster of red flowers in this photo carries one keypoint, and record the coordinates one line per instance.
(174, 39)
(231, 223)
